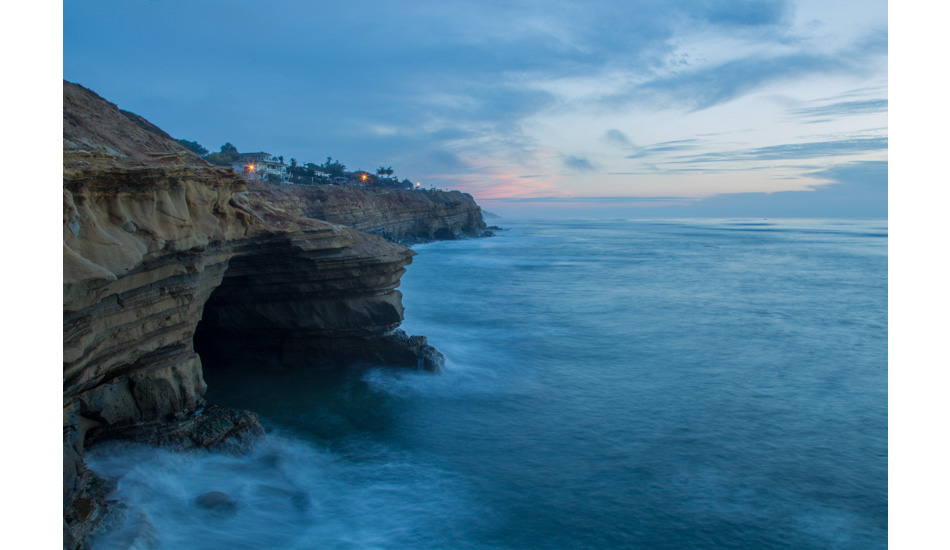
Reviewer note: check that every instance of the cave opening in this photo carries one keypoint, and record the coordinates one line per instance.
(255, 356)
(239, 345)
(233, 332)
(278, 315)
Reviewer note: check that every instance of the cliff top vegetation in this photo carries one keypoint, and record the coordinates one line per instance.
(307, 173)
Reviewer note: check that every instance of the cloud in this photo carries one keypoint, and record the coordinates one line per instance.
(745, 12)
(616, 136)
(858, 190)
(703, 88)
(604, 200)
(792, 151)
(672, 83)
(447, 161)
(665, 147)
(578, 164)
(844, 108)
(855, 190)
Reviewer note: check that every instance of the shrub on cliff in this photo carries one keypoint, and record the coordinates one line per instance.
(194, 146)
(228, 154)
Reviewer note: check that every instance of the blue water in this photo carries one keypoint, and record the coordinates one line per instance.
(609, 384)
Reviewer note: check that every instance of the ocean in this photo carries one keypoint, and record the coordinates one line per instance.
(642, 384)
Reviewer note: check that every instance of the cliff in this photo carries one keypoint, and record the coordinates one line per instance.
(159, 245)
(398, 215)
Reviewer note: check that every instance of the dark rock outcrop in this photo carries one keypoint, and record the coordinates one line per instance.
(398, 215)
(155, 239)
(217, 501)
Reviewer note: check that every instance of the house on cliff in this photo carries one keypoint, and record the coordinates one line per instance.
(261, 166)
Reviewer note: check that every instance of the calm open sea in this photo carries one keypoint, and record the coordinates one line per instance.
(610, 384)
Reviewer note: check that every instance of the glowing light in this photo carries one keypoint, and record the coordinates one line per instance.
(250, 166)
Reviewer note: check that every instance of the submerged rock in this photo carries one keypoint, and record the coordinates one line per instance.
(217, 501)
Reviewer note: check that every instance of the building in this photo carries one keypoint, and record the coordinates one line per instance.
(260, 166)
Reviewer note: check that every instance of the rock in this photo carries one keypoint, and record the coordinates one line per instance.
(132, 299)
(156, 240)
(217, 501)
(222, 429)
(207, 427)
(89, 509)
(398, 215)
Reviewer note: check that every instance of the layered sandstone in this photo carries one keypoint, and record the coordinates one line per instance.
(155, 242)
(398, 215)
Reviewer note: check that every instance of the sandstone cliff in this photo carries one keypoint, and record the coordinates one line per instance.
(155, 242)
(398, 215)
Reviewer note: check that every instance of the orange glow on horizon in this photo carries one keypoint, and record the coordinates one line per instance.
(504, 184)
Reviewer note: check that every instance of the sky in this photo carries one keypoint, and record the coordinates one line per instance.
(668, 108)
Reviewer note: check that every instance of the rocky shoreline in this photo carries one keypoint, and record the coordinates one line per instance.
(169, 261)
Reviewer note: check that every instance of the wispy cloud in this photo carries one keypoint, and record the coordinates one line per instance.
(791, 151)
(664, 147)
(843, 108)
(708, 86)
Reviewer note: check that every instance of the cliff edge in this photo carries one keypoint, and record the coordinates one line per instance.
(398, 215)
(157, 243)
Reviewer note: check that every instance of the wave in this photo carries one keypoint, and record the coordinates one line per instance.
(286, 493)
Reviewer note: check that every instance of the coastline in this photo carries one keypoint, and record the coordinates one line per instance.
(159, 245)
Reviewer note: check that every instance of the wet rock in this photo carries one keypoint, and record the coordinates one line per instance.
(206, 427)
(88, 509)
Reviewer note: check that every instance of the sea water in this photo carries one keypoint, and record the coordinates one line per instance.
(609, 384)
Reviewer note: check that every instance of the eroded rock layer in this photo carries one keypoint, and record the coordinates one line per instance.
(398, 215)
(155, 240)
